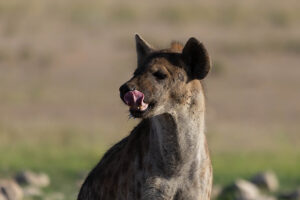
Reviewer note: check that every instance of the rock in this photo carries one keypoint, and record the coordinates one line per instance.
(55, 196)
(266, 180)
(265, 197)
(2, 197)
(79, 183)
(10, 190)
(32, 191)
(243, 190)
(216, 191)
(246, 190)
(240, 190)
(31, 178)
(294, 195)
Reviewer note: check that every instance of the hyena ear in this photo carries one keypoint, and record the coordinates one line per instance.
(196, 58)
(142, 48)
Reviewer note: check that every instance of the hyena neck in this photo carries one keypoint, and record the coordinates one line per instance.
(178, 137)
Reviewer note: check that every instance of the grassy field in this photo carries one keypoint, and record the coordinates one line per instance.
(68, 164)
(67, 169)
(62, 62)
(67, 159)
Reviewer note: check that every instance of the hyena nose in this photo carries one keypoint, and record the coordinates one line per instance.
(124, 89)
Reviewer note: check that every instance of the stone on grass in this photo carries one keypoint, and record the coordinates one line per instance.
(79, 183)
(32, 191)
(10, 190)
(266, 180)
(240, 190)
(245, 190)
(294, 195)
(2, 197)
(34, 179)
(216, 191)
(55, 196)
(265, 197)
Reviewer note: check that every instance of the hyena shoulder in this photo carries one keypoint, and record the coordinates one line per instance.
(117, 163)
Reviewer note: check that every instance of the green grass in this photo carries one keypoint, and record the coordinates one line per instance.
(66, 162)
(229, 166)
(64, 154)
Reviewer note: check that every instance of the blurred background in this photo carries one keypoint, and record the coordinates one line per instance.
(62, 62)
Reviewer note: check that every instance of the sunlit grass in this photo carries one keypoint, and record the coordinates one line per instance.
(65, 164)
(229, 166)
(69, 155)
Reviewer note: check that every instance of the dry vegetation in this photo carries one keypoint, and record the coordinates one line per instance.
(62, 62)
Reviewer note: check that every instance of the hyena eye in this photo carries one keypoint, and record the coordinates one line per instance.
(159, 75)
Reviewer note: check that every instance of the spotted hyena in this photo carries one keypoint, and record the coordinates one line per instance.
(165, 157)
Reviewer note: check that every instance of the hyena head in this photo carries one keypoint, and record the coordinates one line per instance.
(167, 79)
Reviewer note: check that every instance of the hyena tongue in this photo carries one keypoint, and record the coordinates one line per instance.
(135, 99)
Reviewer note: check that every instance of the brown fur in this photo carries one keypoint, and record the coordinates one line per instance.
(176, 47)
(166, 156)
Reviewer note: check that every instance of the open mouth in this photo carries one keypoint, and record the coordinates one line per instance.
(137, 106)
(137, 113)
